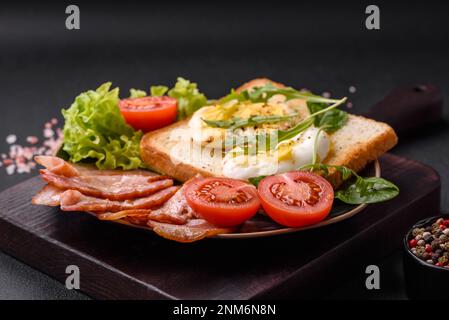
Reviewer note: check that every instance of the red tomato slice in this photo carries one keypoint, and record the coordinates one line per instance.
(221, 201)
(149, 113)
(297, 198)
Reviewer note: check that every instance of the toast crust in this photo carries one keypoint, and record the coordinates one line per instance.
(161, 161)
(358, 157)
(154, 143)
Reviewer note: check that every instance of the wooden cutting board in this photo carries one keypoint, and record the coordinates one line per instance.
(118, 262)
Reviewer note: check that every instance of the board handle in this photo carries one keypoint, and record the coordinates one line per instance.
(409, 108)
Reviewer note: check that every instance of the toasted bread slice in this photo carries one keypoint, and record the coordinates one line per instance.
(169, 150)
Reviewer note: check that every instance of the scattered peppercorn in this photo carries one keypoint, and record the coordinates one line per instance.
(431, 243)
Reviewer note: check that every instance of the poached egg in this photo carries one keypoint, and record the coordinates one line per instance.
(286, 156)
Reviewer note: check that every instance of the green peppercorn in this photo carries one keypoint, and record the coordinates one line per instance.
(443, 260)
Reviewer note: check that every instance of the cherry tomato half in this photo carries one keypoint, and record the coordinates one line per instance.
(297, 198)
(223, 202)
(149, 113)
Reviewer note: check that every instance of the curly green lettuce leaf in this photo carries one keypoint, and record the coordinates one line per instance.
(95, 131)
(158, 91)
(136, 93)
(190, 99)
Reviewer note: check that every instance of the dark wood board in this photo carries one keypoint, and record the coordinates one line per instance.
(118, 262)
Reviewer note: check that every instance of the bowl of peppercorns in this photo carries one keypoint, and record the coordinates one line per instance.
(426, 259)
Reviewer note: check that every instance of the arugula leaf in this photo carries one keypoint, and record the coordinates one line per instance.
(328, 118)
(282, 135)
(158, 91)
(136, 93)
(294, 131)
(362, 190)
(252, 121)
(329, 121)
(346, 173)
(311, 119)
(265, 92)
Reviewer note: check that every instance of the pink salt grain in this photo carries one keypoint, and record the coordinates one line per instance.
(10, 169)
(48, 133)
(19, 159)
(32, 139)
(10, 139)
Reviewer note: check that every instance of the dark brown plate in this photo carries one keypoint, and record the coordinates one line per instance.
(262, 226)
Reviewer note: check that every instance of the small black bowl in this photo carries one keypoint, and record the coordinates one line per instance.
(424, 280)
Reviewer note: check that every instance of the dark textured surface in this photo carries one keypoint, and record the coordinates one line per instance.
(323, 47)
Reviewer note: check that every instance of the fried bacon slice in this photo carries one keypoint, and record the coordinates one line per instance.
(73, 200)
(193, 230)
(115, 187)
(48, 196)
(175, 210)
(139, 197)
(177, 221)
(112, 216)
(57, 166)
(108, 184)
(134, 216)
(61, 167)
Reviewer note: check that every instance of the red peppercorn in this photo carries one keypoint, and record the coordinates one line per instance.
(428, 248)
(412, 243)
(439, 264)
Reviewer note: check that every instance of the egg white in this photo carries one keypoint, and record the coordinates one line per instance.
(248, 166)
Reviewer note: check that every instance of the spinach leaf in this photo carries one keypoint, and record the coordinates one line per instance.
(255, 181)
(361, 190)
(368, 190)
